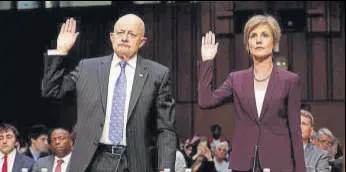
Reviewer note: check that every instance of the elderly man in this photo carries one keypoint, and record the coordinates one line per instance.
(61, 145)
(221, 150)
(316, 159)
(126, 112)
(325, 139)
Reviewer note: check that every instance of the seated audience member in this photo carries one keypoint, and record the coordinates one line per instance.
(316, 159)
(216, 136)
(38, 142)
(61, 144)
(325, 141)
(337, 155)
(10, 159)
(180, 162)
(221, 150)
(202, 160)
(229, 151)
(187, 151)
(313, 138)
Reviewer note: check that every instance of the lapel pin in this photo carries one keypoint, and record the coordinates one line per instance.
(140, 75)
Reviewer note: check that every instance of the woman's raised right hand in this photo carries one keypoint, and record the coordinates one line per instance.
(209, 47)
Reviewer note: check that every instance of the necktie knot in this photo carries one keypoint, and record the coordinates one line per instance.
(123, 64)
(60, 161)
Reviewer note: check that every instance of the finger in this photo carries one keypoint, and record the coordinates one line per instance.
(203, 42)
(70, 25)
(63, 28)
(74, 23)
(217, 45)
(67, 24)
(213, 39)
(207, 39)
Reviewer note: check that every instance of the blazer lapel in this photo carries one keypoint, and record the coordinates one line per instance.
(270, 91)
(51, 162)
(104, 69)
(139, 79)
(17, 163)
(250, 93)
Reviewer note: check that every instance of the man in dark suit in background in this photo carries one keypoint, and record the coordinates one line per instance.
(38, 142)
(124, 102)
(61, 144)
(316, 159)
(10, 159)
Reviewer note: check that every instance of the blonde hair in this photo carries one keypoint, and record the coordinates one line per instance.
(256, 20)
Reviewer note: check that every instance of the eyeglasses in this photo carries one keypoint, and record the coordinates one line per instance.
(220, 149)
(326, 142)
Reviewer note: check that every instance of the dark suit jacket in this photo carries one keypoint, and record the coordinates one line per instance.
(316, 159)
(151, 113)
(277, 132)
(29, 154)
(22, 161)
(46, 162)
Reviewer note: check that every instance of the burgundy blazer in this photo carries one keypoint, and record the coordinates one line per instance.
(277, 131)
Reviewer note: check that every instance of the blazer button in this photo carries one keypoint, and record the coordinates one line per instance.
(101, 125)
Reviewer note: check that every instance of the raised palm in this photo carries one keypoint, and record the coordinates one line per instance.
(67, 36)
(209, 47)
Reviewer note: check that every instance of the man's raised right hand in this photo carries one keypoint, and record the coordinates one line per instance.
(67, 36)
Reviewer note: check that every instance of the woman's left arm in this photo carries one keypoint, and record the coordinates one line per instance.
(293, 108)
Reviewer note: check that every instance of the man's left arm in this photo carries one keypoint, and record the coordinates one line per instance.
(166, 138)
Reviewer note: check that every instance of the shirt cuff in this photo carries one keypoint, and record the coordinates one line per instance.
(54, 53)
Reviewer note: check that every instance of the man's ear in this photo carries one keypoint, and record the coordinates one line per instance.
(143, 41)
(111, 36)
(16, 144)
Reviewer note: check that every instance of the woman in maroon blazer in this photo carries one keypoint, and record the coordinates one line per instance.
(266, 100)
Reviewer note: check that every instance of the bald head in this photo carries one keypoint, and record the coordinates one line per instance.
(128, 36)
(131, 19)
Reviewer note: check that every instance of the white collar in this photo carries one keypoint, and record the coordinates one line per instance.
(10, 155)
(65, 158)
(131, 62)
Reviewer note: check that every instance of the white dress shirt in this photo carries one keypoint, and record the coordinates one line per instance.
(259, 95)
(10, 160)
(66, 160)
(221, 167)
(180, 163)
(113, 76)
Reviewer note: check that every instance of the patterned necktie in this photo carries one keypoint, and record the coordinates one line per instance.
(58, 167)
(4, 165)
(116, 125)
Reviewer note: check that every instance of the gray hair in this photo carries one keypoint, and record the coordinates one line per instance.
(222, 144)
(325, 131)
(307, 114)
